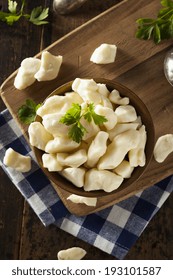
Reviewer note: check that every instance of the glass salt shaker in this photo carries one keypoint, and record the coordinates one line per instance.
(66, 6)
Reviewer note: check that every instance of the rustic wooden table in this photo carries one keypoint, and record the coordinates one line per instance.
(22, 236)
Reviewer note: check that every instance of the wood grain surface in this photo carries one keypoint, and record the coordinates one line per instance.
(22, 236)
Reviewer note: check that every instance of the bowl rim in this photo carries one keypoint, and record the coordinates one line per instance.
(126, 184)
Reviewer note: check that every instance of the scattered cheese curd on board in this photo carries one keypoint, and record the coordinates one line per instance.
(32, 69)
(163, 147)
(49, 68)
(74, 253)
(104, 54)
(91, 135)
(89, 201)
(17, 161)
(25, 75)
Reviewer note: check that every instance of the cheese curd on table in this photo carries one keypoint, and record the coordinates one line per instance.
(74, 253)
(104, 54)
(25, 75)
(107, 153)
(49, 67)
(17, 161)
(32, 69)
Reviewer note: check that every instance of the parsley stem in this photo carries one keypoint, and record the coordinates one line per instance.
(22, 7)
(169, 12)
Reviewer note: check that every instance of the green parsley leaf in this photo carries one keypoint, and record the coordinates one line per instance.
(90, 115)
(3, 16)
(12, 18)
(159, 28)
(27, 112)
(167, 3)
(98, 119)
(76, 132)
(12, 6)
(73, 116)
(88, 111)
(38, 15)
(156, 34)
(22, 6)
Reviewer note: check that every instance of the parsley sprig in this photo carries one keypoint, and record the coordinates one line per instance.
(27, 112)
(73, 118)
(159, 28)
(37, 16)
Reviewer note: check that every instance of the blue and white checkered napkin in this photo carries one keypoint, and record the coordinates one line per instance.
(113, 230)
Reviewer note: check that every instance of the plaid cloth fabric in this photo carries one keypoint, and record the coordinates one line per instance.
(113, 230)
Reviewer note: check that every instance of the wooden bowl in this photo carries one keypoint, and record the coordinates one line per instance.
(141, 110)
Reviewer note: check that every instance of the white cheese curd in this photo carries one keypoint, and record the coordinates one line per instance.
(75, 159)
(97, 148)
(74, 253)
(30, 65)
(106, 102)
(91, 129)
(163, 147)
(90, 91)
(125, 113)
(102, 89)
(121, 127)
(52, 124)
(109, 114)
(25, 76)
(138, 121)
(137, 155)
(59, 104)
(38, 135)
(124, 169)
(32, 69)
(49, 68)
(50, 162)
(53, 104)
(87, 89)
(73, 97)
(117, 150)
(91, 96)
(60, 144)
(104, 54)
(74, 175)
(79, 85)
(89, 201)
(23, 80)
(102, 180)
(115, 97)
(17, 161)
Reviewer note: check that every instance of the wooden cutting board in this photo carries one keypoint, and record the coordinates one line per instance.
(138, 65)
